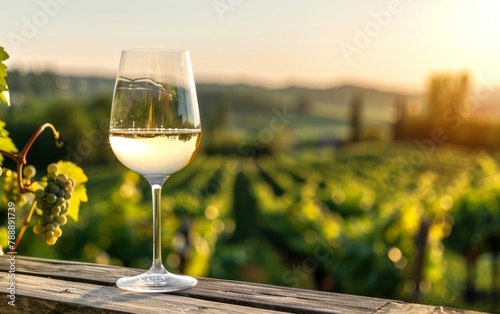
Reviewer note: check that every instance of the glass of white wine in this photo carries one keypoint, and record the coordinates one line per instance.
(155, 130)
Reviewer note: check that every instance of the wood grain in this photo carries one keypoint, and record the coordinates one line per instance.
(47, 295)
(84, 287)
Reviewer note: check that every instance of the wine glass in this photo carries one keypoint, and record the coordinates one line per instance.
(155, 130)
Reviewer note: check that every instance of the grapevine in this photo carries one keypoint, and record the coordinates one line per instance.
(51, 196)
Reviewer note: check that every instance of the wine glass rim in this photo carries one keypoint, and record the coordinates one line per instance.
(155, 50)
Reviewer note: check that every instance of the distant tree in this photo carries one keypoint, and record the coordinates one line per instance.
(401, 118)
(355, 119)
(446, 95)
(304, 104)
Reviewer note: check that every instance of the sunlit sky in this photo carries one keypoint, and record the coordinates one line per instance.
(379, 43)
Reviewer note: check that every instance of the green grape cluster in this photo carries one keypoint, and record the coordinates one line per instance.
(53, 204)
(11, 189)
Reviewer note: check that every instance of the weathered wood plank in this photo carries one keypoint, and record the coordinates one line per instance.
(46, 295)
(286, 299)
(251, 296)
(224, 291)
(69, 270)
(395, 307)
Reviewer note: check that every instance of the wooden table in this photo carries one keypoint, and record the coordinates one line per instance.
(54, 286)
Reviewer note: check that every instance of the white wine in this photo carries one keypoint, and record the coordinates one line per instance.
(158, 152)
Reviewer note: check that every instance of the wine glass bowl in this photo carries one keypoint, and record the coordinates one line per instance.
(155, 130)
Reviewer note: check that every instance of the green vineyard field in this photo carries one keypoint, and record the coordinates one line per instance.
(373, 219)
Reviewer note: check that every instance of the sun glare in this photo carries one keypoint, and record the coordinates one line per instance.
(476, 25)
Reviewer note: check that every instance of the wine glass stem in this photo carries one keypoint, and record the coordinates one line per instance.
(156, 191)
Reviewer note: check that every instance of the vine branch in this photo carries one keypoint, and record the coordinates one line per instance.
(20, 158)
(26, 223)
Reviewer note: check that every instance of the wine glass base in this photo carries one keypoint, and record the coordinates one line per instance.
(156, 282)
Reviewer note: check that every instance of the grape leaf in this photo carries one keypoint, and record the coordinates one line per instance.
(3, 55)
(5, 97)
(80, 192)
(6, 143)
(4, 90)
(4, 237)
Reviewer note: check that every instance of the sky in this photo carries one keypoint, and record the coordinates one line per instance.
(389, 44)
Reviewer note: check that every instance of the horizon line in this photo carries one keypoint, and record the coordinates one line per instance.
(291, 83)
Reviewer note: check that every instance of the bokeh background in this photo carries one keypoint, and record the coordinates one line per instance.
(348, 147)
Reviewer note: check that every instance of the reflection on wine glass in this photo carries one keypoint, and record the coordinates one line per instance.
(155, 130)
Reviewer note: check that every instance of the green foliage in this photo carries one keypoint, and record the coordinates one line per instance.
(56, 195)
(348, 221)
(3, 74)
(6, 143)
